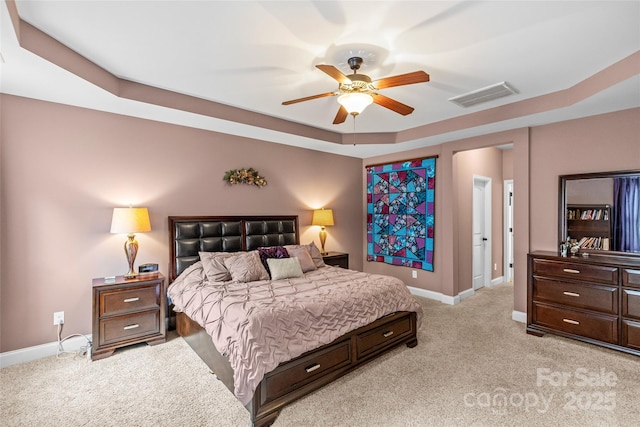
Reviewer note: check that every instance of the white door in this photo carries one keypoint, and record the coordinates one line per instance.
(481, 231)
(508, 230)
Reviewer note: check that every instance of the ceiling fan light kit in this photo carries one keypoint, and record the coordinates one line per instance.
(355, 102)
(357, 91)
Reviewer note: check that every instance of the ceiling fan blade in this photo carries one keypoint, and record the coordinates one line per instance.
(392, 104)
(341, 116)
(335, 73)
(402, 79)
(308, 98)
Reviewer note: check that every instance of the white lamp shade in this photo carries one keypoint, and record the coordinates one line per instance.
(130, 220)
(355, 102)
(322, 217)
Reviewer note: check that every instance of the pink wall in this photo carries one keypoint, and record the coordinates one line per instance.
(64, 169)
(607, 142)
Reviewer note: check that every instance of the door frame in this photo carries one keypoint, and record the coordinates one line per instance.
(486, 183)
(508, 245)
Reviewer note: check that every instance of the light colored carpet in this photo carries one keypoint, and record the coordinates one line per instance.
(473, 366)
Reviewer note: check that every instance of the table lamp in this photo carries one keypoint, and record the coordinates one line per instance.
(323, 218)
(130, 221)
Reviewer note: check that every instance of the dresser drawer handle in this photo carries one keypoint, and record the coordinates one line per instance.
(387, 334)
(571, 270)
(573, 322)
(312, 368)
(571, 294)
(132, 299)
(135, 325)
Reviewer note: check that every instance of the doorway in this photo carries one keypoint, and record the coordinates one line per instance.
(481, 231)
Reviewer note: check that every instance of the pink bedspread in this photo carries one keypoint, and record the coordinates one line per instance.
(259, 325)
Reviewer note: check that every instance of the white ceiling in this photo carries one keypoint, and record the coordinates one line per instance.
(255, 54)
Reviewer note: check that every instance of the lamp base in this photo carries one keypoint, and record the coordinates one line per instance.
(131, 250)
(323, 239)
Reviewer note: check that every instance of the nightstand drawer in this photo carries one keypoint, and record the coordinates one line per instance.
(123, 301)
(591, 273)
(600, 298)
(382, 336)
(597, 327)
(123, 328)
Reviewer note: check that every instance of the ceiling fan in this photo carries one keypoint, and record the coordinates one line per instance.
(357, 91)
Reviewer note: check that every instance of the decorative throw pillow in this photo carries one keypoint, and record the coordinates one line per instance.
(213, 265)
(271, 252)
(302, 253)
(246, 267)
(284, 268)
(315, 254)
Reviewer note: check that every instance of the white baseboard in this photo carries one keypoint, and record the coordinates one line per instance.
(438, 296)
(29, 354)
(497, 281)
(519, 316)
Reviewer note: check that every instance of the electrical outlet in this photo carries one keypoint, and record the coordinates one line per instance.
(414, 274)
(58, 318)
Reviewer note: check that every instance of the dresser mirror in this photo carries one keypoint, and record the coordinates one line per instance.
(602, 211)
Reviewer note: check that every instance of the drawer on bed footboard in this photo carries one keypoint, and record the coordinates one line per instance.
(383, 336)
(292, 375)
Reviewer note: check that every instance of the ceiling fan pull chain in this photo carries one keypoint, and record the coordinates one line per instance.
(354, 130)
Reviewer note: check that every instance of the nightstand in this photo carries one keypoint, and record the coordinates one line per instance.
(336, 259)
(128, 311)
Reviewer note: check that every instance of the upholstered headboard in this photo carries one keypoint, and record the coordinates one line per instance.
(192, 234)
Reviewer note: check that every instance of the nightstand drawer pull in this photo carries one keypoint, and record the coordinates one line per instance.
(132, 299)
(135, 325)
(312, 368)
(571, 294)
(573, 322)
(387, 334)
(571, 270)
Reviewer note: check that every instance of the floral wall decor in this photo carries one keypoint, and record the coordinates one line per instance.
(248, 176)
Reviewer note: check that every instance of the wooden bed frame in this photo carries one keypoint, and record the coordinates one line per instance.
(298, 377)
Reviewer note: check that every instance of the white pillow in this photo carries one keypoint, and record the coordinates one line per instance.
(284, 268)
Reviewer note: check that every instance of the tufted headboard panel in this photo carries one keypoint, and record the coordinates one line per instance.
(189, 235)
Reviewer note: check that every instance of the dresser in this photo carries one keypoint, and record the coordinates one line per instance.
(127, 311)
(595, 299)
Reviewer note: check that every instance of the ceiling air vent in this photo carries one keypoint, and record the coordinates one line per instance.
(485, 94)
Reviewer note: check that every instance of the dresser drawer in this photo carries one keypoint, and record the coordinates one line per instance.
(631, 303)
(382, 336)
(600, 298)
(598, 327)
(631, 278)
(631, 334)
(307, 369)
(121, 301)
(585, 272)
(123, 328)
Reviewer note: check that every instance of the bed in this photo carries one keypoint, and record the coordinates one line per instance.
(319, 351)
